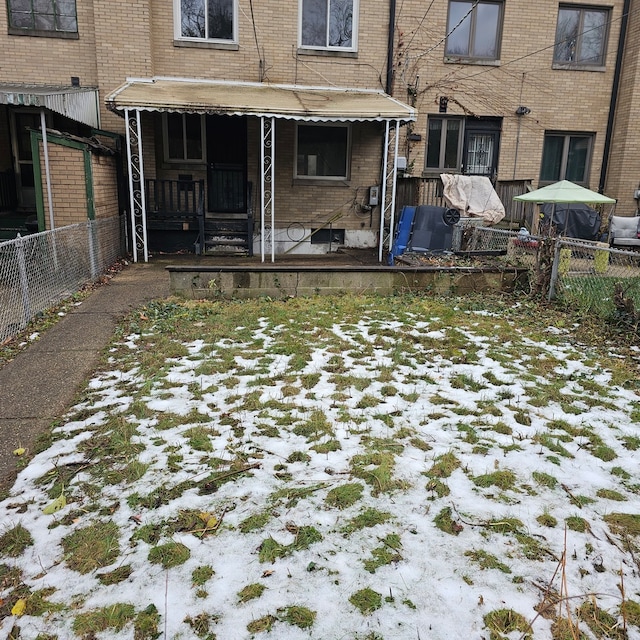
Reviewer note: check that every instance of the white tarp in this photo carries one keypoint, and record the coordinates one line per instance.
(473, 196)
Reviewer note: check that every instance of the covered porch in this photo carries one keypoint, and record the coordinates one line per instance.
(296, 165)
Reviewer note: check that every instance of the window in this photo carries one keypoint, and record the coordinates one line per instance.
(208, 20)
(183, 137)
(328, 24)
(473, 30)
(581, 36)
(444, 143)
(566, 157)
(49, 16)
(322, 151)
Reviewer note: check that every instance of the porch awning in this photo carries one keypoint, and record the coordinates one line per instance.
(78, 103)
(293, 102)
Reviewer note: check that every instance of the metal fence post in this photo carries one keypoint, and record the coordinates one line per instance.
(91, 236)
(554, 270)
(24, 280)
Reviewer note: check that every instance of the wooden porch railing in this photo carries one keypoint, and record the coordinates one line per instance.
(428, 191)
(173, 198)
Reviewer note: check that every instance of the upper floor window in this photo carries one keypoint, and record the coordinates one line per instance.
(45, 16)
(208, 20)
(322, 151)
(474, 29)
(183, 135)
(328, 24)
(581, 36)
(566, 156)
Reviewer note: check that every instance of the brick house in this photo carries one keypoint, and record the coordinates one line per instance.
(285, 114)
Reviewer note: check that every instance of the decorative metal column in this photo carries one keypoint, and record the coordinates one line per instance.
(137, 200)
(267, 181)
(388, 196)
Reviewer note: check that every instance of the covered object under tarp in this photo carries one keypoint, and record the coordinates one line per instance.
(572, 220)
(472, 196)
(564, 192)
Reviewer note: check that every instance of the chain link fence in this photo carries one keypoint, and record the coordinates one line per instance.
(590, 277)
(40, 270)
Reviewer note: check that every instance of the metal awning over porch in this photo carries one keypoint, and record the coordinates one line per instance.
(316, 104)
(78, 103)
(268, 102)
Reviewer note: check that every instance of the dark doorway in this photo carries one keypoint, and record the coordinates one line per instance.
(226, 164)
(481, 147)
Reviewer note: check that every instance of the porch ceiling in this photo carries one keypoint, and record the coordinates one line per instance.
(77, 103)
(293, 102)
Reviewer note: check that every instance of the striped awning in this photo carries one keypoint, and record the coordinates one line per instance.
(78, 103)
(293, 102)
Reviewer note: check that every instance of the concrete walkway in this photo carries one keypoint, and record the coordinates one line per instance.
(45, 380)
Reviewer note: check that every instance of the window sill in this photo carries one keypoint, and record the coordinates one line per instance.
(205, 44)
(37, 33)
(330, 53)
(559, 66)
(321, 182)
(435, 173)
(473, 61)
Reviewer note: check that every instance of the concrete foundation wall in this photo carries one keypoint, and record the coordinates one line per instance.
(284, 282)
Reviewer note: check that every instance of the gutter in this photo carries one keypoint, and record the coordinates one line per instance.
(615, 90)
(392, 28)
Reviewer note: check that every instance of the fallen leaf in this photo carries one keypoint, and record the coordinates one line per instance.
(267, 573)
(59, 503)
(20, 451)
(19, 607)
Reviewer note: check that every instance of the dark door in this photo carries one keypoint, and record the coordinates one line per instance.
(481, 147)
(227, 164)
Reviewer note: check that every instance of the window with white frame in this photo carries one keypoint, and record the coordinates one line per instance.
(213, 20)
(566, 156)
(328, 24)
(322, 151)
(444, 143)
(581, 36)
(474, 29)
(183, 135)
(48, 16)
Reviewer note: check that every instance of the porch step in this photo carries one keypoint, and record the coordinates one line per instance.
(228, 234)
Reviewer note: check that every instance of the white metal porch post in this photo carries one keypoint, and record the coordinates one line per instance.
(137, 196)
(267, 181)
(390, 174)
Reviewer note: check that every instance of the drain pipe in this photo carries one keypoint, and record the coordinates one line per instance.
(615, 89)
(392, 28)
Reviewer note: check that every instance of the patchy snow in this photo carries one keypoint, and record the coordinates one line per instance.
(405, 392)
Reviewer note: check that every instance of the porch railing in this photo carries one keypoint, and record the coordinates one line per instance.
(428, 191)
(173, 198)
(227, 189)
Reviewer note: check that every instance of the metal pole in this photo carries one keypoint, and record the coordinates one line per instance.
(393, 186)
(272, 182)
(262, 155)
(143, 195)
(47, 170)
(554, 270)
(24, 281)
(383, 198)
(131, 199)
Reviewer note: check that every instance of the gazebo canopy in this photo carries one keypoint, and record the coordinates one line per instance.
(565, 191)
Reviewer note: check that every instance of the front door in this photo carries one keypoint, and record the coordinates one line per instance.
(481, 145)
(227, 164)
(21, 122)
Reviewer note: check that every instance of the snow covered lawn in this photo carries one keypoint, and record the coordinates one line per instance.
(355, 468)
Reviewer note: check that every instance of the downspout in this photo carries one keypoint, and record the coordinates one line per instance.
(392, 28)
(615, 89)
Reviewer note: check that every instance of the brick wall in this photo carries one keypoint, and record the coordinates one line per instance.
(623, 175)
(105, 186)
(68, 185)
(559, 99)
